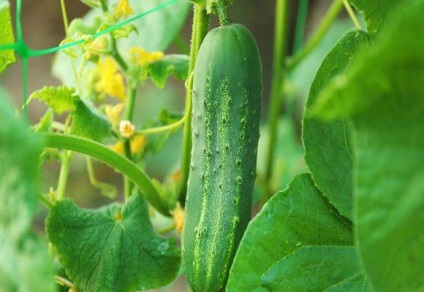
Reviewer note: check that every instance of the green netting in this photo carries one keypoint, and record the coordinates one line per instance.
(25, 52)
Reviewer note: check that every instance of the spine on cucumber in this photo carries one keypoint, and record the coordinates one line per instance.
(227, 92)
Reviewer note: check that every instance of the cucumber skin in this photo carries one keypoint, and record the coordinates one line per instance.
(227, 93)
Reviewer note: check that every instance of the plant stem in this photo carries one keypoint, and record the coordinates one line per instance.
(129, 115)
(118, 58)
(302, 14)
(64, 16)
(64, 174)
(352, 14)
(115, 160)
(130, 103)
(319, 34)
(167, 229)
(166, 128)
(280, 44)
(200, 29)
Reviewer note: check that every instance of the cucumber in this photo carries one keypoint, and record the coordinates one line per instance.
(227, 93)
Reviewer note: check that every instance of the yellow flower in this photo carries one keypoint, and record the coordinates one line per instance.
(123, 9)
(111, 80)
(142, 57)
(137, 144)
(113, 113)
(178, 214)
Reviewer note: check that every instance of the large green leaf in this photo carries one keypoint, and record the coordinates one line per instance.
(328, 147)
(7, 57)
(24, 264)
(295, 217)
(317, 268)
(383, 94)
(376, 12)
(113, 248)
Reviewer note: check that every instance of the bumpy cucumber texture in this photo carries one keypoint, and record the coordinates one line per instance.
(227, 91)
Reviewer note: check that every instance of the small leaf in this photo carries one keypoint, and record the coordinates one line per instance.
(59, 98)
(376, 13)
(315, 268)
(92, 3)
(45, 123)
(7, 57)
(328, 148)
(295, 217)
(176, 65)
(124, 31)
(113, 248)
(89, 123)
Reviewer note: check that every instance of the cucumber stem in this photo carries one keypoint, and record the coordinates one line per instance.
(199, 31)
(280, 44)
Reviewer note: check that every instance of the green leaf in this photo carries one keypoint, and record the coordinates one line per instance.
(376, 12)
(295, 217)
(113, 248)
(24, 264)
(59, 98)
(176, 65)
(316, 268)
(7, 57)
(383, 94)
(358, 282)
(89, 123)
(328, 147)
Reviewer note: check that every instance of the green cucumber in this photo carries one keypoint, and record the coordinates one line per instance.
(227, 93)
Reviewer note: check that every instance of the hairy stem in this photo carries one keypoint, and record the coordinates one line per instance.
(200, 29)
(64, 174)
(115, 160)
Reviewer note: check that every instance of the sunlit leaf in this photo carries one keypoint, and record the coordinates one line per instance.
(59, 98)
(7, 57)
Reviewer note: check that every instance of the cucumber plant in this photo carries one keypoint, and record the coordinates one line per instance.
(342, 212)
